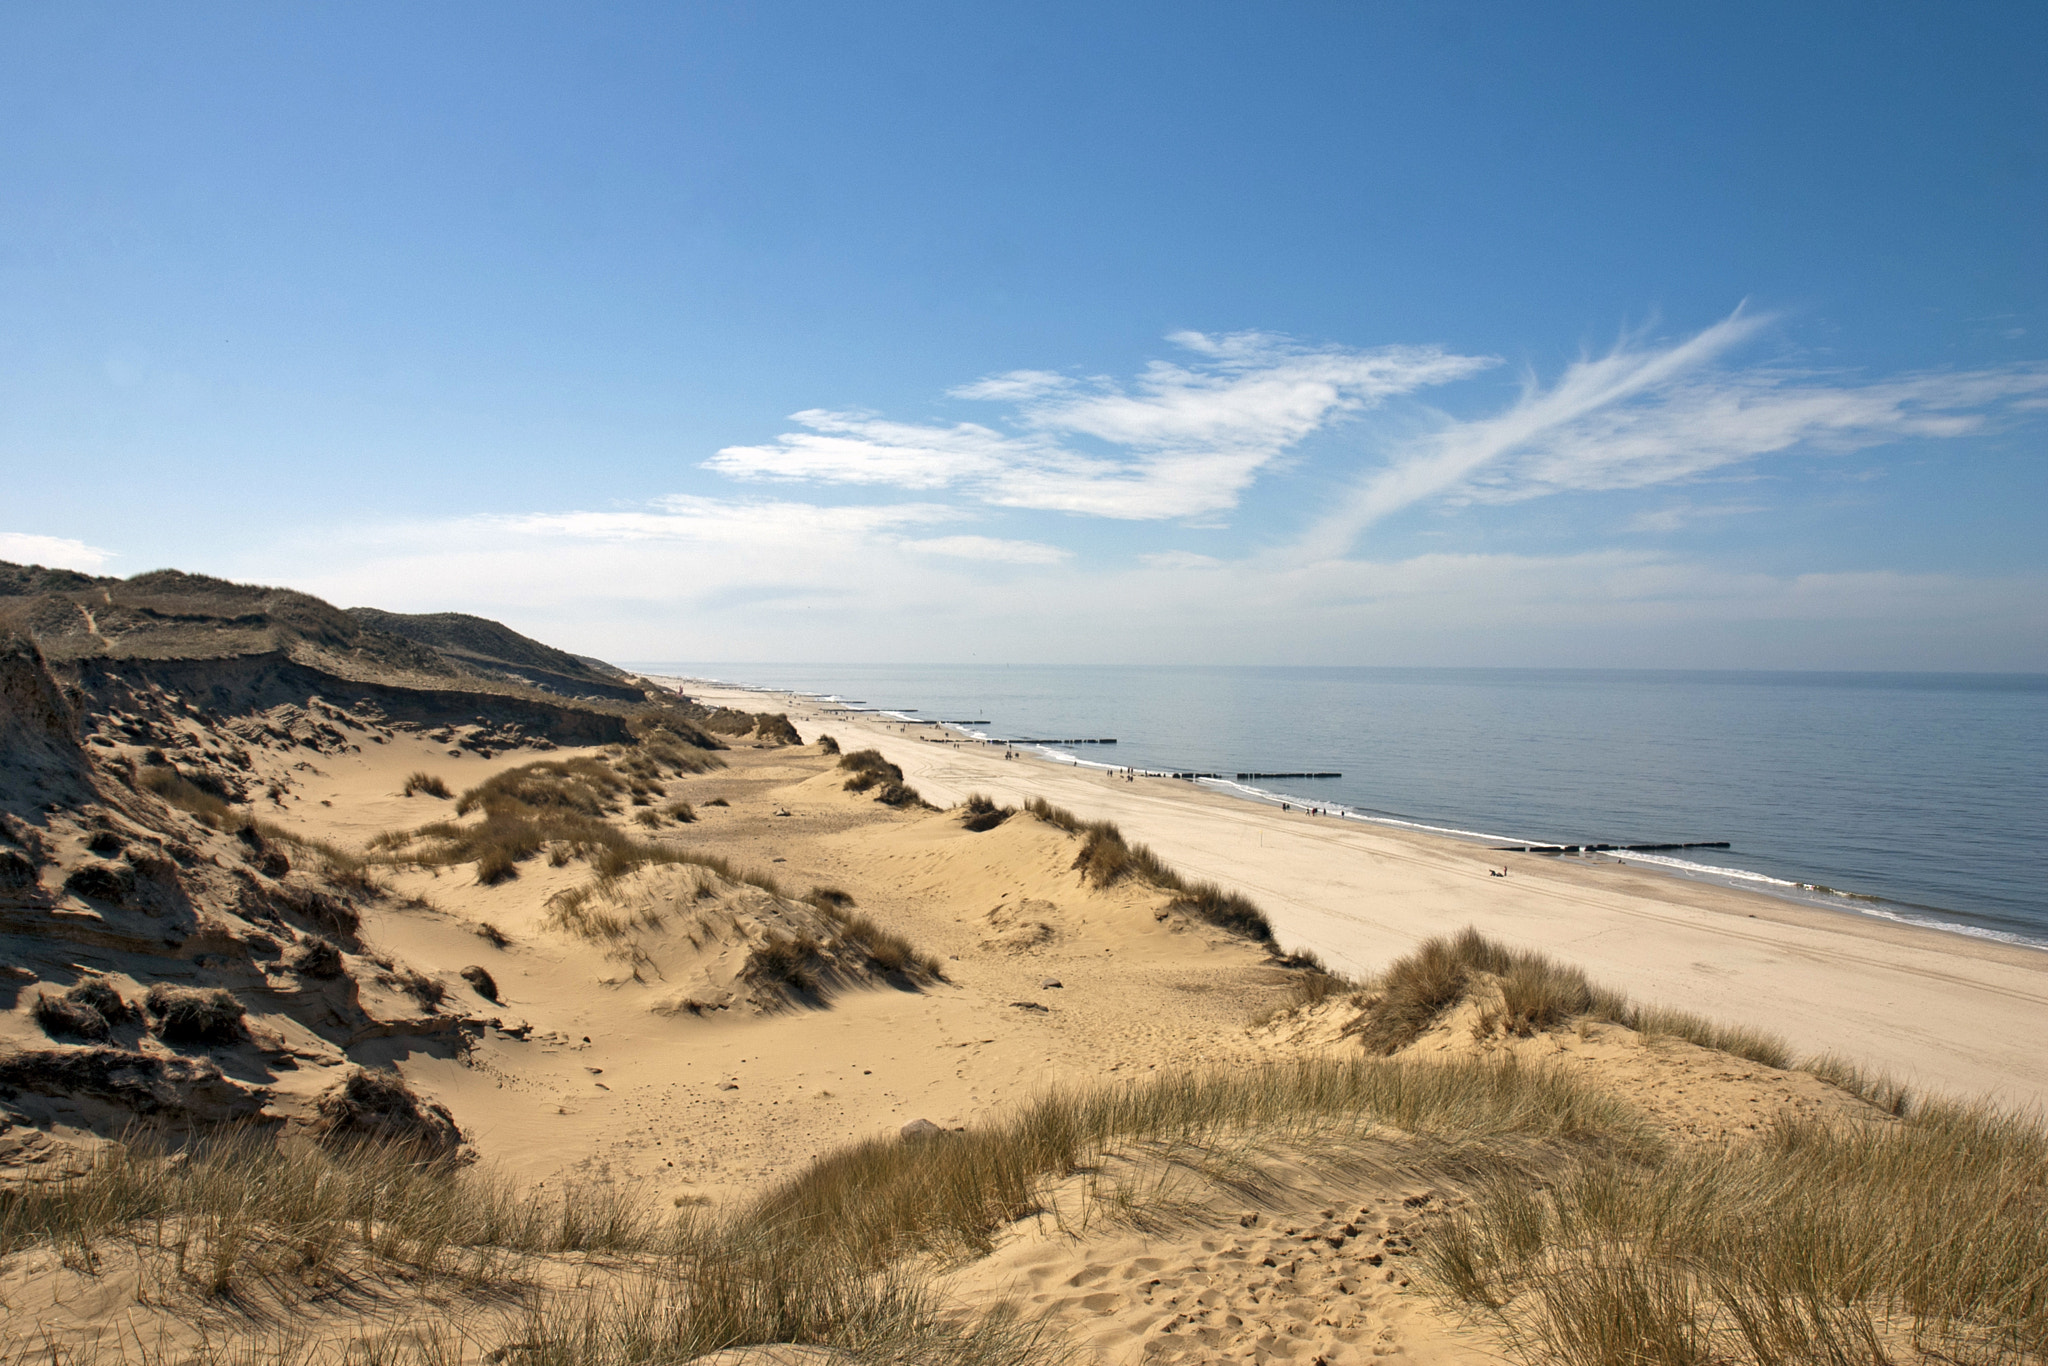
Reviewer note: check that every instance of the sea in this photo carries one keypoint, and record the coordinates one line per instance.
(1916, 797)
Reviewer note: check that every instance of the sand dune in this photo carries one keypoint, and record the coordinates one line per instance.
(679, 1034)
(1943, 1011)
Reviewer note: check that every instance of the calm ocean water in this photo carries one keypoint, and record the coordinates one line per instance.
(1923, 795)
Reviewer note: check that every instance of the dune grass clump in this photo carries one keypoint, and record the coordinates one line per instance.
(1538, 993)
(1056, 816)
(99, 993)
(583, 786)
(828, 744)
(830, 899)
(62, 1017)
(1416, 989)
(429, 783)
(980, 813)
(241, 1206)
(314, 956)
(785, 960)
(820, 1258)
(1843, 1242)
(201, 1015)
(1757, 1045)
(884, 950)
(1877, 1089)
(344, 868)
(668, 743)
(883, 1197)
(901, 795)
(1107, 858)
(869, 769)
(167, 783)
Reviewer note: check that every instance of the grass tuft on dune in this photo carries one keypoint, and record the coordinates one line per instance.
(1815, 1242)
(1107, 858)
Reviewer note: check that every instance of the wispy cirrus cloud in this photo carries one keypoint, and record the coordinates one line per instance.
(1639, 417)
(989, 548)
(749, 522)
(1181, 440)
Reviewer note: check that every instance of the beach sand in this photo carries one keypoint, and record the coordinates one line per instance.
(1943, 1012)
(590, 1067)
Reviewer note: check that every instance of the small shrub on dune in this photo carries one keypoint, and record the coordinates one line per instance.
(774, 727)
(828, 744)
(672, 740)
(585, 786)
(682, 813)
(901, 795)
(718, 801)
(869, 769)
(1226, 910)
(102, 995)
(492, 935)
(426, 782)
(980, 813)
(785, 960)
(315, 957)
(181, 792)
(63, 1018)
(1538, 993)
(481, 982)
(202, 1015)
(1106, 858)
(1542, 994)
(378, 1108)
(830, 899)
(885, 950)
(496, 865)
(651, 819)
(1411, 994)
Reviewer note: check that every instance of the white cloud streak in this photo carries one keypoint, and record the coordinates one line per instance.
(1182, 440)
(57, 552)
(1640, 417)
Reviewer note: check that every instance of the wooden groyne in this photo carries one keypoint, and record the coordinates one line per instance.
(1052, 742)
(1608, 848)
(1243, 776)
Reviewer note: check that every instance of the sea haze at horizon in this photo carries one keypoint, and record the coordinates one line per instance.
(1926, 792)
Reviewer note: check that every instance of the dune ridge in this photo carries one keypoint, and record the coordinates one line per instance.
(351, 1022)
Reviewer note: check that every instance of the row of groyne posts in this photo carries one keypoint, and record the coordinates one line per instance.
(1607, 848)
(1192, 775)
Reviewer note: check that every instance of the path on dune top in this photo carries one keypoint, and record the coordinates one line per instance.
(1943, 1012)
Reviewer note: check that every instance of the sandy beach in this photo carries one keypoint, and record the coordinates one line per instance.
(1945, 1012)
(683, 1034)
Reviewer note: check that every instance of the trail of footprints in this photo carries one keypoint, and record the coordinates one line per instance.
(1314, 1289)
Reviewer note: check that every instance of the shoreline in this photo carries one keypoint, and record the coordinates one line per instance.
(1812, 895)
(1946, 1013)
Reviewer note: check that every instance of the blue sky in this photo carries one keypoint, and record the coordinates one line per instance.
(1704, 336)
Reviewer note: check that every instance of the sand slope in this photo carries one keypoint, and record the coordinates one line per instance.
(1945, 1012)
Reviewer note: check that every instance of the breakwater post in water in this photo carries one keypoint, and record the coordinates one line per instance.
(1052, 742)
(1606, 848)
